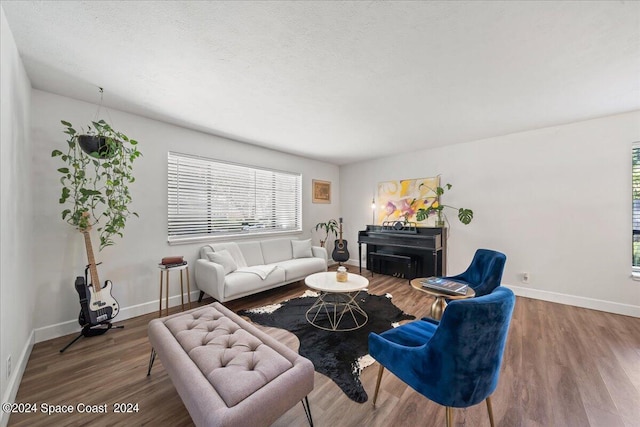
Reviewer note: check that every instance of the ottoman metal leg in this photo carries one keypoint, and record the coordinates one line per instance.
(307, 410)
(152, 359)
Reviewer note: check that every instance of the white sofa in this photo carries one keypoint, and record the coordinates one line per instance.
(231, 270)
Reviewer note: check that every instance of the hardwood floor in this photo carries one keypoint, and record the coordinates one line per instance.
(563, 366)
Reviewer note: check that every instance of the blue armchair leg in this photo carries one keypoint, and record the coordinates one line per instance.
(490, 409)
(449, 416)
(375, 394)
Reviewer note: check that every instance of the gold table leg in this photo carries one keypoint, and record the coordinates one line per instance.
(160, 308)
(188, 289)
(166, 297)
(437, 308)
(181, 291)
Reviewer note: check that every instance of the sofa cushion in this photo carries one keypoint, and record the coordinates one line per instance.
(223, 258)
(301, 248)
(276, 250)
(204, 251)
(252, 253)
(234, 250)
(297, 269)
(239, 283)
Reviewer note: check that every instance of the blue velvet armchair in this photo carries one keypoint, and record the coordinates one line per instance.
(455, 363)
(484, 274)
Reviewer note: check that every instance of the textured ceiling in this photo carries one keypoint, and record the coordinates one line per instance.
(339, 81)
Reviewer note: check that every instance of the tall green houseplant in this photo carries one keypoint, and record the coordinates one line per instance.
(96, 183)
(329, 227)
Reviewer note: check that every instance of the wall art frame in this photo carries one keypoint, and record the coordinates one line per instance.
(321, 191)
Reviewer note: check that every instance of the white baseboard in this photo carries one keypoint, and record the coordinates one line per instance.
(16, 377)
(578, 301)
(584, 302)
(354, 262)
(351, 262)
(71, 326)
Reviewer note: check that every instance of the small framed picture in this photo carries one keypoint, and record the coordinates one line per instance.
(321, 191)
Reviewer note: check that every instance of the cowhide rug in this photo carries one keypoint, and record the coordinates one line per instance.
(340, 356)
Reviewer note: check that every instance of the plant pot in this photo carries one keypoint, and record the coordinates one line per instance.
(95, 146)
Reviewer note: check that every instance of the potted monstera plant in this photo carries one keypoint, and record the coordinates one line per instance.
(95, 179)
(436, 207)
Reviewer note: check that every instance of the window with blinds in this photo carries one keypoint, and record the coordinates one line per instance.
(209, 198)
(635, 186)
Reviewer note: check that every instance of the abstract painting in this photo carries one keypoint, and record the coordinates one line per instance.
(400, 200)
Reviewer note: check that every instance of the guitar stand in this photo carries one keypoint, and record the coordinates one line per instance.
(91, 330)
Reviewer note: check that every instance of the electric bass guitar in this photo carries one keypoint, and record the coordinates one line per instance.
(340, 252)
(98, 305)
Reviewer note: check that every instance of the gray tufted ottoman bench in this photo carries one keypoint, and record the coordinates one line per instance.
(227, 372)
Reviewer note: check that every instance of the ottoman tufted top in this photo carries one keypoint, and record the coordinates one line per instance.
(234, 361)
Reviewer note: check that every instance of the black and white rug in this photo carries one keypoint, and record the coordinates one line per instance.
(340, 356)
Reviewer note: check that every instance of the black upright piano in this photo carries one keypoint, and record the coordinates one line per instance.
(404, 250)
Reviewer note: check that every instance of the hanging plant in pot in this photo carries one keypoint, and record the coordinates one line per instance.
(95, 179)
(101, 142)
(95, 183)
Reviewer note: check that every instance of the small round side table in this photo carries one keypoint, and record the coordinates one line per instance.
(335, 300)
(166, 270)
(438, 306)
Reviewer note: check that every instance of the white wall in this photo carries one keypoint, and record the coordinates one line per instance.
(556, 201)
(132, 263)
(16, 218)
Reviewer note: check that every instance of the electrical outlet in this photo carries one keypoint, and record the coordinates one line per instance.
(526, 277)
(9, 366)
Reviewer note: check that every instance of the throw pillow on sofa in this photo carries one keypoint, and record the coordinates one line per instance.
(301, 248)
(225, 259)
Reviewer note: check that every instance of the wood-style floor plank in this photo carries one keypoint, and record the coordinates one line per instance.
(563, 366)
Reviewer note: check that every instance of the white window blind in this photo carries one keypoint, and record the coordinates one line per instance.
(635, 186)
(209, 198)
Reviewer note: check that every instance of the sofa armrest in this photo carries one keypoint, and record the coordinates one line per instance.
(210, 278)
(319, 252)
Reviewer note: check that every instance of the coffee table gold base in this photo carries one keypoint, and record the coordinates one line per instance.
(440, 303)
(335, 306)
(437, 308)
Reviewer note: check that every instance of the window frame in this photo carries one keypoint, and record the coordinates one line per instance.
(199, 212)
(635, 212)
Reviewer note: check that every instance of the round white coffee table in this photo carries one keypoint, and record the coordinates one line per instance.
(335, 300)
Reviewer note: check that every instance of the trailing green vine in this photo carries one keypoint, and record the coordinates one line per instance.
(96, 184)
